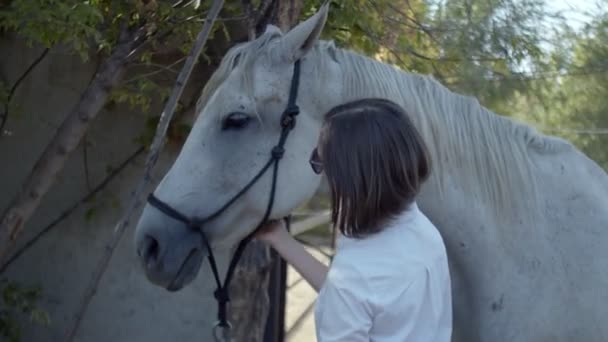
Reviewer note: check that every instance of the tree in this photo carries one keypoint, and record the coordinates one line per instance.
(571, 95)
(120, 36)
(466, 44)
(120, 30)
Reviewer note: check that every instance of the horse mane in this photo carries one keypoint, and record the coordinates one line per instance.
(487, 154)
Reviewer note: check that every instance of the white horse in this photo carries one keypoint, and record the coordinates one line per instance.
(524, 216)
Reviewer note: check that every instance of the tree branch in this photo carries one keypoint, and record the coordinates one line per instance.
(263, 16)
(256, 17)
(161, 68)
(85, 162)
(438, 72)
(66, 139)
(251, 18)
(522, 77)
(286, 13)
(263, 8)
(136, 202)
(16, 85)
(67, 212)
(167, 68)
(588, 131)
(410, 51)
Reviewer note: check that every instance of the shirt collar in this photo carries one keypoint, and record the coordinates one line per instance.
(400, 220)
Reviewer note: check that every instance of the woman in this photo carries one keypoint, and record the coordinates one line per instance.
(389, 279)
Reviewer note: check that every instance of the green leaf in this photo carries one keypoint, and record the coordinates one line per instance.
(40, 317)
(18, 301)
(90, 214)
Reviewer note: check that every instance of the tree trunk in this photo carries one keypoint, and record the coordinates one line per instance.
(249, 294)
(249, 289)
(66, 139)
(286, 13)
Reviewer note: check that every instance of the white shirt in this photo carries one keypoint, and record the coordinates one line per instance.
(391, 286)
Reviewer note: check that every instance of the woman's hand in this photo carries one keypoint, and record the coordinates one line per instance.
(276, 235)
(273, 232)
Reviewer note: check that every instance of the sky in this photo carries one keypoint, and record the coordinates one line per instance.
(576, 13)
(573, 10)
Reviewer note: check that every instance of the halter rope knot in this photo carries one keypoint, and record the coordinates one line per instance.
(278, 152)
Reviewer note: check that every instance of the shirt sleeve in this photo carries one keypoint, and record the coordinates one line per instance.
(343, 314)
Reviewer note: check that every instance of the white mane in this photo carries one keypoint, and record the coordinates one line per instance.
(486, 153)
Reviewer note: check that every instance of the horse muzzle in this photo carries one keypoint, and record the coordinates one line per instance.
(170, 256)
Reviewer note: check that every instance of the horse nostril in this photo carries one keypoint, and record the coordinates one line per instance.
(150, 250)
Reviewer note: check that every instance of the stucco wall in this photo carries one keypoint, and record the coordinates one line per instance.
(126, 307)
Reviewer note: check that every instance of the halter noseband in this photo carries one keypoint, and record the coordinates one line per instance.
(288, 122)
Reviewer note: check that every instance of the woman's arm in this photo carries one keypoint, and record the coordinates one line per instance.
(294, 253)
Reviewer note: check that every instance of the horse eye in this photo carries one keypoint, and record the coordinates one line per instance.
(235, 121)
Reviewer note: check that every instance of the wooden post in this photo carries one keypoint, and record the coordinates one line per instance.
(277, 293)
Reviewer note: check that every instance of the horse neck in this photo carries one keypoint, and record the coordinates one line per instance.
(485, 153)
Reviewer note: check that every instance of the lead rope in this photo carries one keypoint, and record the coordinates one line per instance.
(222, 328)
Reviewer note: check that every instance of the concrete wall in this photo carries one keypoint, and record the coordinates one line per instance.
(126, 307)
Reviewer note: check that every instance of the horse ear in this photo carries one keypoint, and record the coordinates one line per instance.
(299, 40)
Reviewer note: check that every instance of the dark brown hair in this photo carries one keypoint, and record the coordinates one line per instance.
(375, 161)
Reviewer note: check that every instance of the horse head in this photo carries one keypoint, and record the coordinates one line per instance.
(238, 125)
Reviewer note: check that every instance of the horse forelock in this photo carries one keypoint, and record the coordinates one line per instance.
(243, 56)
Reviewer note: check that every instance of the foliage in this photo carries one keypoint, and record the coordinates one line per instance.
(488, 49)
(176, 133)
(16, 301)
(574, 102)
(89, 28)
(53, 22)
(466, 44)
(139, 93)
(518, 57)
(474, 47)
(587, 96)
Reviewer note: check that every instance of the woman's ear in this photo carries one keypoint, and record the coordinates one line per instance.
(299, 40)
